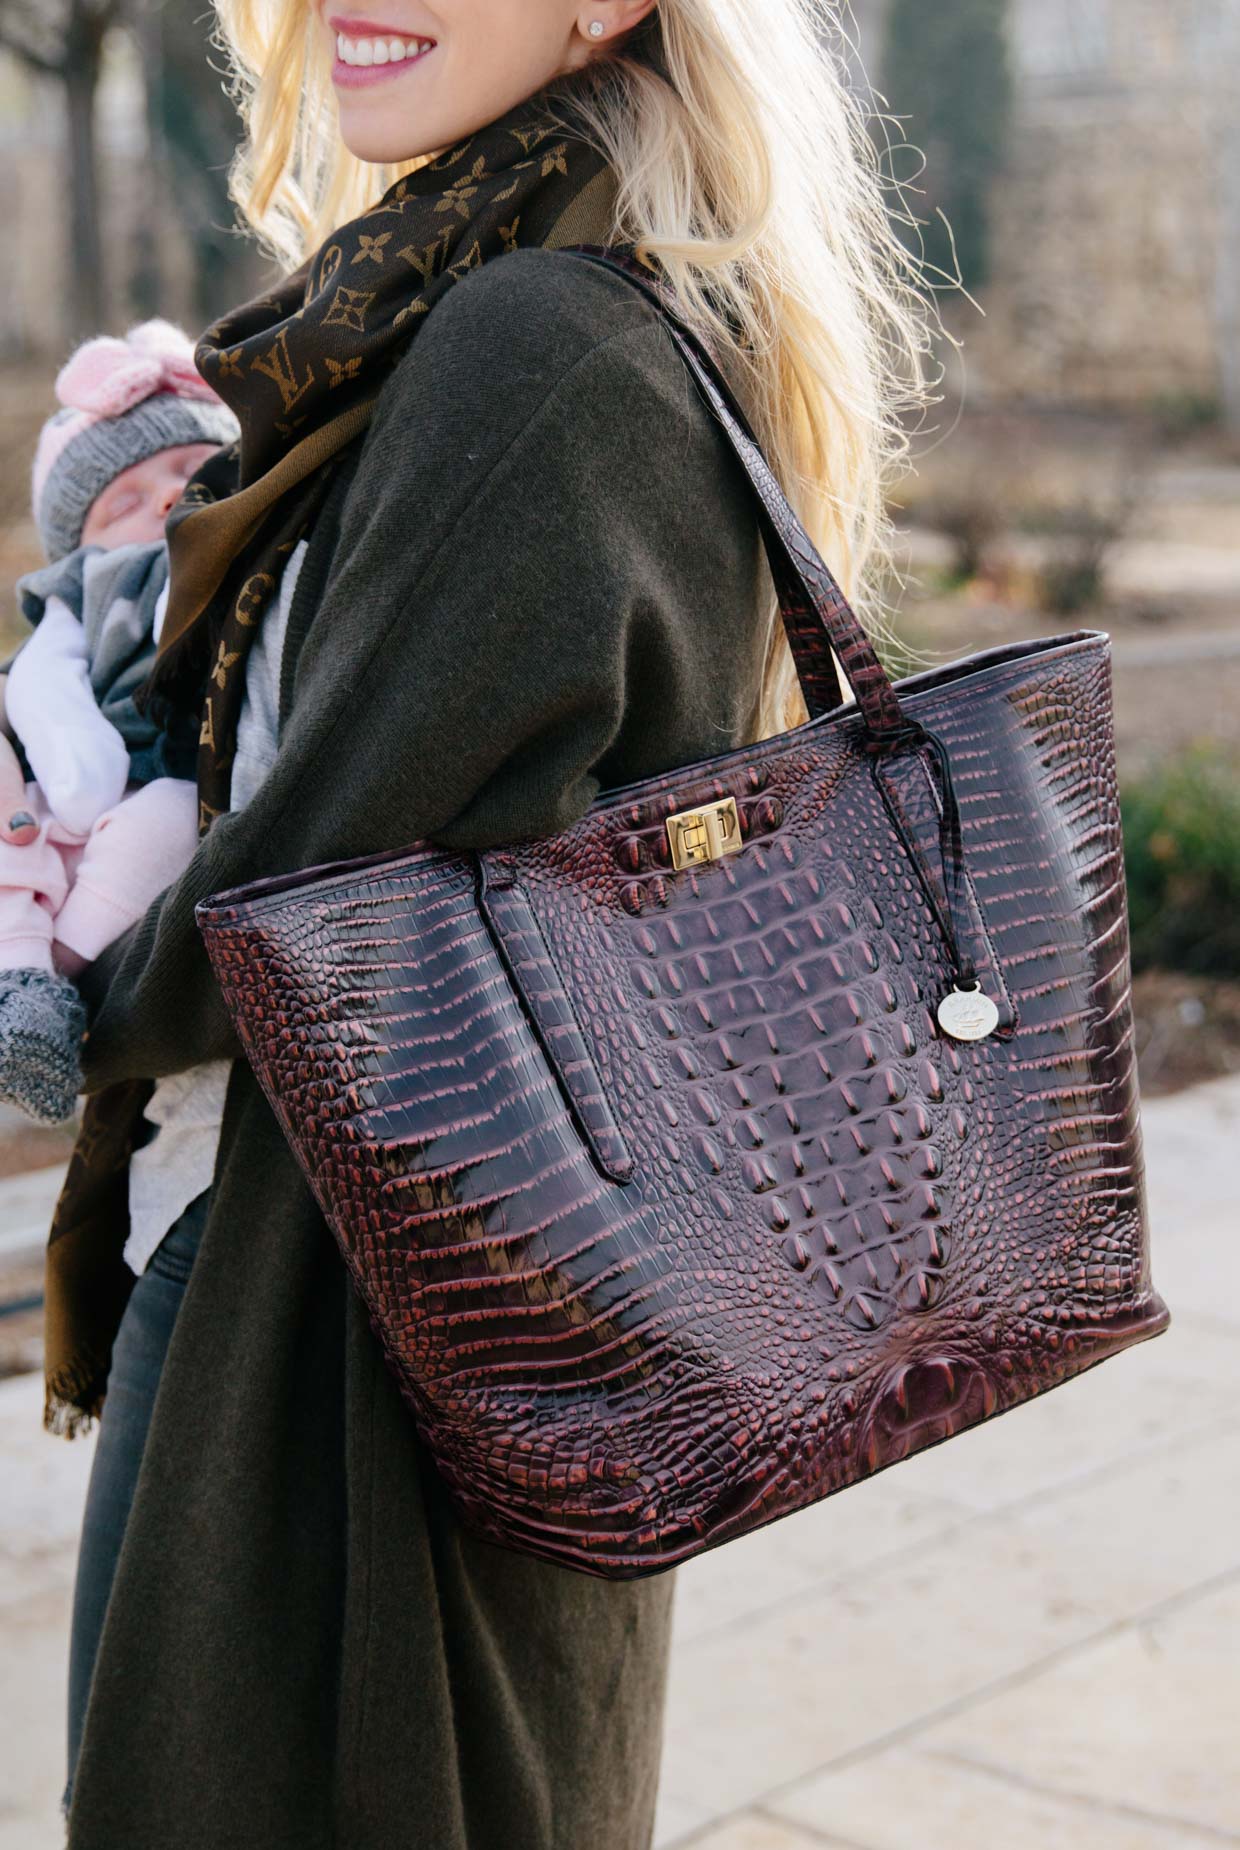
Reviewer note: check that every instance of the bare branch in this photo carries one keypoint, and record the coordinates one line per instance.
(37, 60)
(32, 16)
(35, 34)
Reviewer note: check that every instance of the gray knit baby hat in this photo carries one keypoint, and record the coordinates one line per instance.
(120, 402)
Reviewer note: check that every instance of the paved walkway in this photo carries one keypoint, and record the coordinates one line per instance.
(1028, 1639)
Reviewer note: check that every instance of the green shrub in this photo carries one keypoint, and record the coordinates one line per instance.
(1182, 847)
(972, 522)
(1182, 414)
(1071, 584)
(1080, 537)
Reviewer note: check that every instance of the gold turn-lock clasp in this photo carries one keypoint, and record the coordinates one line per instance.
(700, 835)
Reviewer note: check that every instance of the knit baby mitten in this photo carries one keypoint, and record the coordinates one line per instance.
(42, 1020)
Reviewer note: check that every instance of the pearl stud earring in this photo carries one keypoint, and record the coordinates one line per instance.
(597, 28)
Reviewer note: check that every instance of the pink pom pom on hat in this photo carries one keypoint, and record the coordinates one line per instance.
(121, 401)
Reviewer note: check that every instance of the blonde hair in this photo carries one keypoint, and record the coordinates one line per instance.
(746, 167)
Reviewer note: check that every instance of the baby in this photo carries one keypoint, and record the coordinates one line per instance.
(98, 811)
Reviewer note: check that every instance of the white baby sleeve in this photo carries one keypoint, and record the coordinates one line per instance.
(76, 756)
(161, 611)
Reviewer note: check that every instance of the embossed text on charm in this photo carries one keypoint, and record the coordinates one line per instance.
(968, 1015)
(700, 835)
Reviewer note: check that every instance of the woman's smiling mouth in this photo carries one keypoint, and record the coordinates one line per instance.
(368, 53)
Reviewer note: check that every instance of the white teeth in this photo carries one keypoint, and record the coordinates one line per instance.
(365, 52)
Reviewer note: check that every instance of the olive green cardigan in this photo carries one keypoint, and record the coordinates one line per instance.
(539, 578)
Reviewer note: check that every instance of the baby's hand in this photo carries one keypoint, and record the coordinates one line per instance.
(17, 825)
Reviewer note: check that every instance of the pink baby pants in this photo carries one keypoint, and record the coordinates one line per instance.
(84, 890)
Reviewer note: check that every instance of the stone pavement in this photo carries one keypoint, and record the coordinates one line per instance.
(1028, 1639)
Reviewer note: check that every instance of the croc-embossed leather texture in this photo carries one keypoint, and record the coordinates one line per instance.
(673, 1205)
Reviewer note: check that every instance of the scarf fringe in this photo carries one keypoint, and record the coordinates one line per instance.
(72, 1401)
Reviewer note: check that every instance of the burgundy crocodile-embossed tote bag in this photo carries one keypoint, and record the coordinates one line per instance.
(776, 1121)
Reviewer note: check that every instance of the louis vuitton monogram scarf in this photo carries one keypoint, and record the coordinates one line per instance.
(301, 368)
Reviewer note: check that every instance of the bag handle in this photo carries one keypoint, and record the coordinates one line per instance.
(818, 619)
(817, 616)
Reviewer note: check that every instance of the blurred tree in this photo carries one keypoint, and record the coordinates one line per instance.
(946, 71)
(193, 130)
(64, 39)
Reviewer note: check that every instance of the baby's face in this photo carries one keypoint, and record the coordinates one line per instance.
(133, 507)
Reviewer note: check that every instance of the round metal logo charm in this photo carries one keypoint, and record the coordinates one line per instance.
(968, 1015)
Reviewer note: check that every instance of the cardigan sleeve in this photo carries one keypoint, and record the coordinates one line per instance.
(550, 591)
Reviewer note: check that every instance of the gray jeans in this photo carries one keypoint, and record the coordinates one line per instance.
(133, 1382)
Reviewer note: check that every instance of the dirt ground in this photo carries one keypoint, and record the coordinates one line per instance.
(25, 400)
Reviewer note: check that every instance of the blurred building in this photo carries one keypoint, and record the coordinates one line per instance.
(1116, 227)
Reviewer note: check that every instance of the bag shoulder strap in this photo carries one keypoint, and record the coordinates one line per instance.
(817, 616)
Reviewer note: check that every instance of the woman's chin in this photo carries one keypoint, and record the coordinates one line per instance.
(385, 128)
(377, 143)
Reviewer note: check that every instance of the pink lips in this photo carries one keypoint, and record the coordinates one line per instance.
(362, 76)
